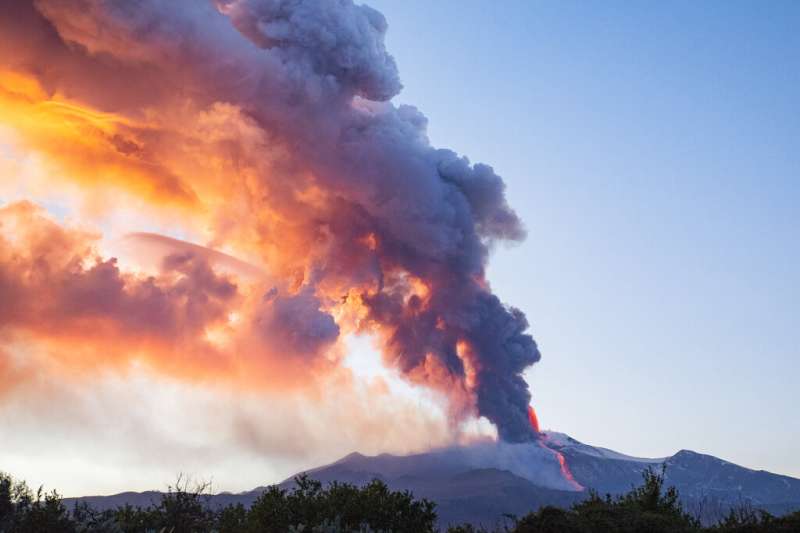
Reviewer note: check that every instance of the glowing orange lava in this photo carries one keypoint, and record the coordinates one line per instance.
(566, 473)
(533, 418)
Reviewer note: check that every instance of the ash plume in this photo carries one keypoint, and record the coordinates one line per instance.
(270, 123)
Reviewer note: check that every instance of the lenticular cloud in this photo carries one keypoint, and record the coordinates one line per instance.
(264, 128)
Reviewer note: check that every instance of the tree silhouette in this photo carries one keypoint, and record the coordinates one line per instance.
(310, 507)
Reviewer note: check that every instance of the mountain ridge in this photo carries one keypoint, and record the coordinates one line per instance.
(486, 482)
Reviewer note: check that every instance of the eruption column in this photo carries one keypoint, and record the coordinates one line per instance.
(270, 125)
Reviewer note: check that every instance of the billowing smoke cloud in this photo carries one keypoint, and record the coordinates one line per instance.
(55, 286)
(266, 127)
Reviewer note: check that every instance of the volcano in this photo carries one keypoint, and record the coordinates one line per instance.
(485, 482)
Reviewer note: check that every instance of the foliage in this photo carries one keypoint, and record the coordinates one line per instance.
(341, 506)
(23, 511)
(374, 508)
(645, 509)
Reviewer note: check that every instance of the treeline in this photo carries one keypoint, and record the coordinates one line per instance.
(373, 508)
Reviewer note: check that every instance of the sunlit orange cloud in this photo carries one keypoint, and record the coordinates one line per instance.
(98, 315)
(12, 375)
(91, 147)
(221, 157)
(205, 165)
(286, 154)
(188, 321)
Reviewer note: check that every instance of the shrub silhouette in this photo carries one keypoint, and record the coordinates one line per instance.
(645, 508)
(23, 511)
(340, 505)
(311, 507)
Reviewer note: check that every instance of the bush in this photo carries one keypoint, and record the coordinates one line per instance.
(340, 505)
(645, 508)
(373, 508)
(23, 511)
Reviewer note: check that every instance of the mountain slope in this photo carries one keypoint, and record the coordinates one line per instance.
(484, 482)
(462, 493)
(708, 486)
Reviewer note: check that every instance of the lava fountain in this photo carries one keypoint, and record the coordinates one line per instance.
(534, 420)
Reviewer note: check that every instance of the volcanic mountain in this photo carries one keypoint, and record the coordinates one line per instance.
(485, 482)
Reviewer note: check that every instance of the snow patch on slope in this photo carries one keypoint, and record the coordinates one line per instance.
(562, 441)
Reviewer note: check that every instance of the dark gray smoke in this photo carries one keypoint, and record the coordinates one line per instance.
(314, 76)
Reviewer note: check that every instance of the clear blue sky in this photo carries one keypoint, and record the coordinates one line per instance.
(653, 150)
